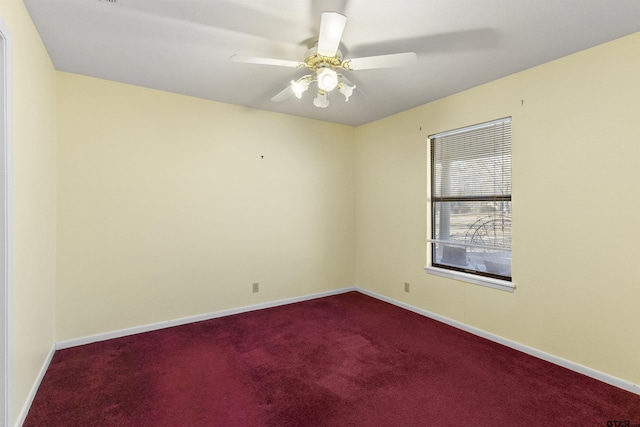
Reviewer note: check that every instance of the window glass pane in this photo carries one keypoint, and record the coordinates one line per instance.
(495, 262)
(479, 234)
(479, 222)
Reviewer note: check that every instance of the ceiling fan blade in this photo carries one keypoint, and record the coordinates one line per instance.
(331, 27)
(382, 61)
(266, 61)
(284, 94)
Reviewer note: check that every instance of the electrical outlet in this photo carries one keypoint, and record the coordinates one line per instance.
(255, 287)
(406, 286)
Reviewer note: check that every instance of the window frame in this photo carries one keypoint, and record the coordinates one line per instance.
(497, 281)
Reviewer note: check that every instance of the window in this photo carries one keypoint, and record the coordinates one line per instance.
(470, 203)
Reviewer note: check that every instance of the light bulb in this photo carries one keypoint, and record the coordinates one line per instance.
(321, 101)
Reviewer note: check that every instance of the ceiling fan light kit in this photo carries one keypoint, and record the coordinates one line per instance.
(324, 59)
(327, 80)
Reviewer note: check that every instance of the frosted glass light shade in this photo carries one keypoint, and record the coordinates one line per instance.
(346, 90)
(299, 87)
(321, 101)
(327, 79)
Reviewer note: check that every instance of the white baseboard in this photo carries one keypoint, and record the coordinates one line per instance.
(34, 389)
(191, 319)
(576, 367)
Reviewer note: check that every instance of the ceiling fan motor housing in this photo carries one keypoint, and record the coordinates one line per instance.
(315, 61)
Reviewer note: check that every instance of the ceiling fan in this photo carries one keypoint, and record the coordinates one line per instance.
(325, 62)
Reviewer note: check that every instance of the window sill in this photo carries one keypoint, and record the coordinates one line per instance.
(502, 285)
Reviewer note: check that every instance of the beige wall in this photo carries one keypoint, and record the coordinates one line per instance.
(575, 208)
(171, 206)
(34, 214)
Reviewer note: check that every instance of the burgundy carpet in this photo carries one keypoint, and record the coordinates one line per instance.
(345, 360)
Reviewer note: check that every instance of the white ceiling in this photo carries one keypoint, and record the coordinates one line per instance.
(183, 46)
